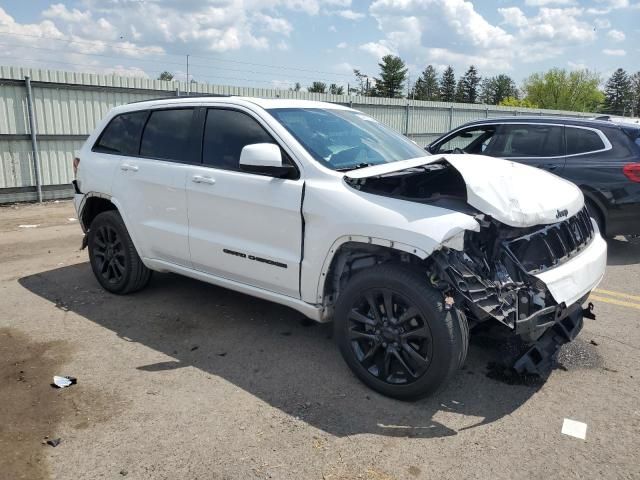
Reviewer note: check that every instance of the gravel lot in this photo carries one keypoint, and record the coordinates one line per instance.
(189, 381)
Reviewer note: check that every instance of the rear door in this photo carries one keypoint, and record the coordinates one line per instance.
(243, 226)
(150, 186)
(535, 144)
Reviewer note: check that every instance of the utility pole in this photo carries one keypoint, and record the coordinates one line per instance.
(188, 82)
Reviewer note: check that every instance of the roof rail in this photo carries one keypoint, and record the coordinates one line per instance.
(185, 95)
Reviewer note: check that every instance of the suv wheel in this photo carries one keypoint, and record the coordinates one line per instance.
(395, 334)
(113, 257)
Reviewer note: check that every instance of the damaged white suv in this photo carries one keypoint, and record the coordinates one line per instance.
(323, 209)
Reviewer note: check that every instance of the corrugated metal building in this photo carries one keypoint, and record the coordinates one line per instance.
(67, 106)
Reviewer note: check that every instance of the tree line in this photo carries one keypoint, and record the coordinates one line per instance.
(559, 89)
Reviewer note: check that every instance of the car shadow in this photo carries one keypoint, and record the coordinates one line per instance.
(273, 353)
(623, 251)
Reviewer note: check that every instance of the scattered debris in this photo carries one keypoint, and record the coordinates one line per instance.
(222, 354)
(194, 348)
(508, 375)
(593, 342)
(54, 442)
(28, 226)
(285, 334)
(588, 312)
(574, 428)
(612, 370)
(63, 382)
(71, 219)
(124, 473)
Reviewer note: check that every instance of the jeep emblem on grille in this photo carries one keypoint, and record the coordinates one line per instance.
(562, 213)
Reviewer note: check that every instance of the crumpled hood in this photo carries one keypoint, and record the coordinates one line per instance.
(514, 194)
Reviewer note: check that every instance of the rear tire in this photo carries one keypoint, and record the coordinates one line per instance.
(114, 259)
(410, 353)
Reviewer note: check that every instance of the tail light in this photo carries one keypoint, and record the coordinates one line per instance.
(632, 171)
(76, 163)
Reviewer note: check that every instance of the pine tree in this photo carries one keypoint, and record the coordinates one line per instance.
(393, 73)
(470, 83)
(617, 93)
(448, 85)
(460, 94)
(426, 87)
(494, 90)
(317, 87)
(635, 94)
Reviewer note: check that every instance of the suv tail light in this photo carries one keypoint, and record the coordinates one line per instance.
(76, 163)
(632, 171)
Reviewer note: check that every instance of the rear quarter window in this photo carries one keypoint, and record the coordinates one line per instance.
(580, 140)
(122, 135)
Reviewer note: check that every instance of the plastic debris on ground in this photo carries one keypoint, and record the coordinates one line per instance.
(54, 442)
(28, 226)
(63, 382)
(574, 428)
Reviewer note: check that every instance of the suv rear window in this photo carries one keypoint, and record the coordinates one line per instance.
(580, 140)
(122, 135)
(167, 134)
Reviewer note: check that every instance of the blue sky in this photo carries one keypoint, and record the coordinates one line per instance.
(267, 43)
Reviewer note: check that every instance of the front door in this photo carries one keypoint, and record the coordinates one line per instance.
(242, 226)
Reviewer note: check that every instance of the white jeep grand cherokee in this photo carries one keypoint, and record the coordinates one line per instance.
(323, 209)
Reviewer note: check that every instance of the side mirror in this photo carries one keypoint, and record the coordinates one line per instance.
(264, 159)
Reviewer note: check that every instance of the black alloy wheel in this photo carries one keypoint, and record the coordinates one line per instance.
(109, 254)
(389, 336)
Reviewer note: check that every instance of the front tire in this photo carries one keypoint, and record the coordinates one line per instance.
(114, 259)
(395, 333)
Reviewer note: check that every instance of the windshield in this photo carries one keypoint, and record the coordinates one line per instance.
(345, 139)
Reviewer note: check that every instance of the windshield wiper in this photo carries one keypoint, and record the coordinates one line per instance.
(355, 167)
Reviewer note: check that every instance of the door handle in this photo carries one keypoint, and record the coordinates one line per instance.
(203, 179)
(126, 166)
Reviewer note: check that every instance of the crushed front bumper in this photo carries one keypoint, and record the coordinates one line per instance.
(539, 358)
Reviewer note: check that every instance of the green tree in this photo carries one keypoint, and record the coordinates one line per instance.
(393, 74)
(459, 97)
(296, 87)
(635, 94)
(469, 84)
(518, 102)
(317, 87)
(166, 76)
(618, 95)
(448, 85)
(559, 89)
(494, 90)
(336, 90)
(426, 87)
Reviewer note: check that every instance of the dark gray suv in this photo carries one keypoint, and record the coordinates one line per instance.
(600, 156)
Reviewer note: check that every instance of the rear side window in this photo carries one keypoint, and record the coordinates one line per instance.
(527, 141)
(226, 133)
(122, 135)
(580, 140)
(167, 134)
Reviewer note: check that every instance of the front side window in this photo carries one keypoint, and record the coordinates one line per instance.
(122, 135)
(167, 134)
(516, 141)
(472, 140)
(345, 139)
(226, 133)
(580, 140)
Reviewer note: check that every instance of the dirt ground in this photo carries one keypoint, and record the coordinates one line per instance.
(185, 380)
